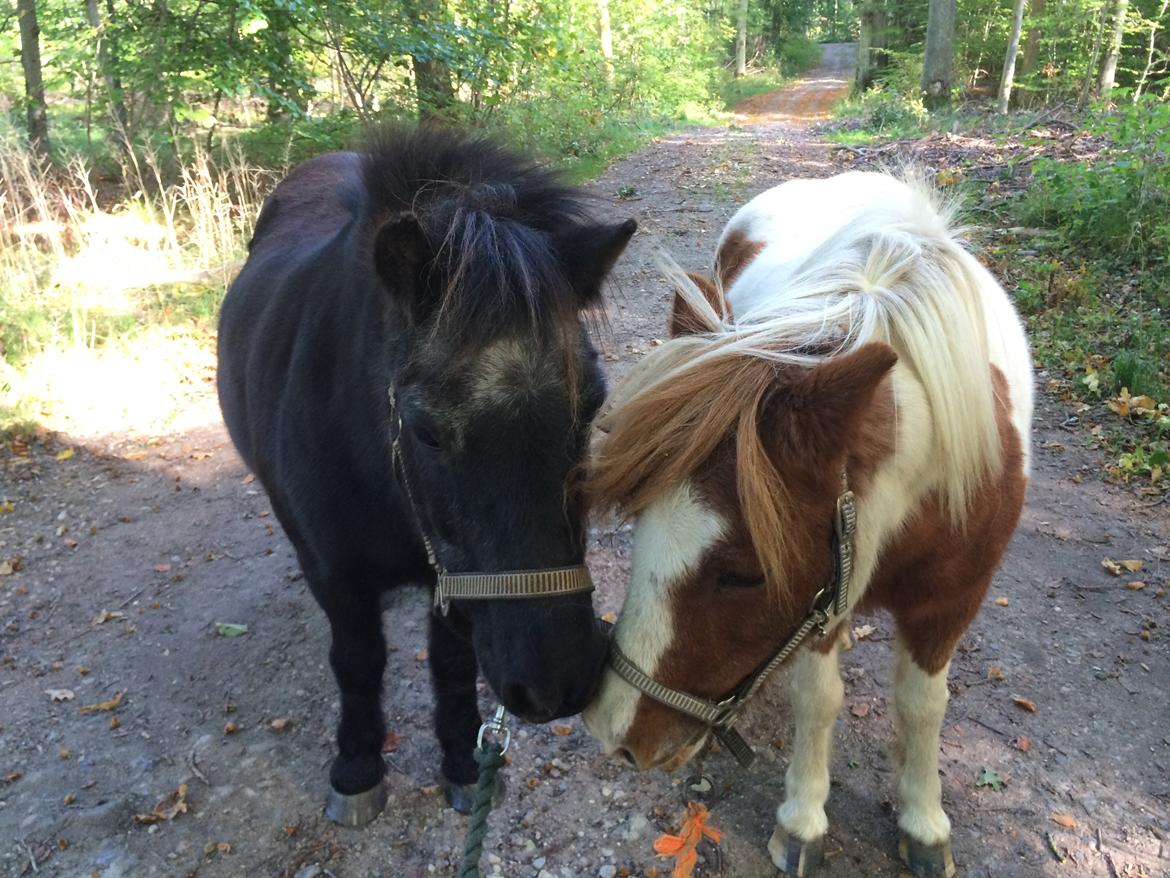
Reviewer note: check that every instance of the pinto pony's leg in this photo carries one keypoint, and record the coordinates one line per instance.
(920, 700)
(358, 657)
(797, 845)
(457, 720)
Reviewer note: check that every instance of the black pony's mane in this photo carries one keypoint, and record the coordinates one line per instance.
(492, 220)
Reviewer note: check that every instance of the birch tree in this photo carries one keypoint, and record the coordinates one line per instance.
(1009, 61)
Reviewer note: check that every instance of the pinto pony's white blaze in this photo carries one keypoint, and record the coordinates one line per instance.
(827, 280)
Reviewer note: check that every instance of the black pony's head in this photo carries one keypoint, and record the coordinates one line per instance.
(488, 263)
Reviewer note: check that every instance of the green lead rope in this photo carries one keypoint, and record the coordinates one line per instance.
(489, 756)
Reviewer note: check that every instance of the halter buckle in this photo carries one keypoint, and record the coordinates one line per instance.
(497, 726)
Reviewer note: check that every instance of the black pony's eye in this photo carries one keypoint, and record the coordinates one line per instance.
(732, 580)
(424, 435)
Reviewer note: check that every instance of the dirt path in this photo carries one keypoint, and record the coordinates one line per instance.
(131, 551)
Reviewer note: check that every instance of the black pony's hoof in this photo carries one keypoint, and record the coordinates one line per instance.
(795, 857)
(357, 809)
(461, 797)
(926, 860)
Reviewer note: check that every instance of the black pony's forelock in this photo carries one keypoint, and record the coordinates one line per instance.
(491, 218)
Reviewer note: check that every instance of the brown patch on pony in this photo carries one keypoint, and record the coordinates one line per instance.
(684, 320)
(776, 414)
(811, 476)
(735, 253)
(933, 578)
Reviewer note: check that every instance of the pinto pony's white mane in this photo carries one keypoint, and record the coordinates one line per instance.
(895, 272)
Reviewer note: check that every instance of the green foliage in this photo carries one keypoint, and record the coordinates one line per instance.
(891, 108)
(1116, 207)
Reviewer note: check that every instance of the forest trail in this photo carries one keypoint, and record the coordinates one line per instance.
(810, 98)
(131, 550)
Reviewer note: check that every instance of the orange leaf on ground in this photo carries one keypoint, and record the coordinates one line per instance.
(1001, 602)
(391, 741)
(1065, 820)
(995, 673)
(104, 705)
(1023, 743)
(561, 730)
(1027, 705)
(166, 809)
(682, 846)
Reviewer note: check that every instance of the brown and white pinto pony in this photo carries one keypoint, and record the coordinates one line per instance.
(865, 342)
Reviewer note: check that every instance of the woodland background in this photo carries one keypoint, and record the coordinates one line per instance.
(138, 138)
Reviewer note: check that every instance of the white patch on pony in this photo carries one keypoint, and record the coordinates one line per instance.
(920, 701)
(817, 693)
(670, 537)
(505, 370)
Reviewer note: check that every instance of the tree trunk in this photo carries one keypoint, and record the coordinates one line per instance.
(34, 85)
(1150, 49)
(1094, 59)
(605, 36)
(938, 59)
(1032, 51)
(741, 38)
(871, 54)
(1109, 66)
(432, 77)
(1009, 60)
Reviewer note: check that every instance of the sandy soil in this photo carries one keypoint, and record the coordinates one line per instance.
(130, 551)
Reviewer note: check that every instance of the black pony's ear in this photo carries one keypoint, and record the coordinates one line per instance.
(401, 251)
(589, 252)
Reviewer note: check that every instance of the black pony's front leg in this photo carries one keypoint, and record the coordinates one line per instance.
(358, 657)
(457, 720)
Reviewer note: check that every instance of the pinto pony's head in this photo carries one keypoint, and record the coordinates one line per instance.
(728, 449)
(488, 264)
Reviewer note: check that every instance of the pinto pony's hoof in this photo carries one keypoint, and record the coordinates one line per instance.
(926, 860)
(357, 809)
(461, 797)
(793, 856)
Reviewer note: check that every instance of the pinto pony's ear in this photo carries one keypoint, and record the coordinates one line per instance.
(589, 252)
(684, 320)
(820, 414)
(401, 250)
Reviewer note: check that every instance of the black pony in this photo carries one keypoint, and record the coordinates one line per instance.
(430, 289)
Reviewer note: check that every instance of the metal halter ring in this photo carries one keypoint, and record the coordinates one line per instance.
(498, 727)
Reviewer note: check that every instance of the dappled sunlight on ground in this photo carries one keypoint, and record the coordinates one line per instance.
(159, 382)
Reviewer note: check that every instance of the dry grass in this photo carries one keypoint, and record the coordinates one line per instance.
(95, 280)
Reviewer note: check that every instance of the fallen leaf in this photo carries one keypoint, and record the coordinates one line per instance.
(860, 709)
(1027, 705)
(561, 730)
(64, 455)
(1065, 820)
(421, 655)
(995, 673)
(610, 617)
(1132, 566)
(69, 799)
(1135, 586)
(115, 722)
(230, 728)
(6, 568)
(1111, 565)
(59, 694)
(167, 808)
(162, 568)
(104, 705)
(863, 631)
(13, 776)
(988, 777)
(280, 724)
(391, 741)
(248, 479)
(7, 506)
(430, 790)
(1001, 602)
(230, 629)
(107, 616)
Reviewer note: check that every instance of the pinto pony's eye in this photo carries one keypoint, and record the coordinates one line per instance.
(736, 581)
